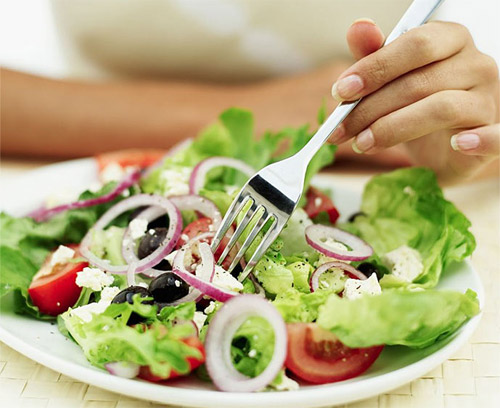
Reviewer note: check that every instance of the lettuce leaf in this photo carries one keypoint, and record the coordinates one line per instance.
(407, 207)
(25, 243)
(107, 338)
(397, 317)
(234, 136)
(253, 346)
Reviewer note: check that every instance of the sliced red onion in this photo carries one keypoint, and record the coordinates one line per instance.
(131, 274)
(191, 202)
(128, 244)
(123, 369)
(141, 200)
(43, 214)
(346, 268)
(221, 331)
(199, 174)
(317, 234)
(184, 144)
(201, 281)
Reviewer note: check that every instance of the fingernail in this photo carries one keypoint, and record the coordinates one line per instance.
(363, 20)
(364, 141)
(465, 141)
(338, 134)
(347, 88)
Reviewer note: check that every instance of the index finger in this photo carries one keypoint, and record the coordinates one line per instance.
(418, 47)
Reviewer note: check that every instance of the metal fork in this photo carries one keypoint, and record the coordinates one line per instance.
(270, 197)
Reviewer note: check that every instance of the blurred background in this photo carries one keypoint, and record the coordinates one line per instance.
(60, 38)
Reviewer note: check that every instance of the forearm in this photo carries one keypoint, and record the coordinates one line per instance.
(44, 117)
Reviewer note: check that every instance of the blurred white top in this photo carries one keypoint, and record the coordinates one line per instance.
(227, 40)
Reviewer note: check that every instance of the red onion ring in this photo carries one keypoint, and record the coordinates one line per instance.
(346, 268)
(221, 330)
(316, 234)
(191, 202)
(123, 369)
(128, 244)
(43, 214)
(199, 174)
(140, 200)
(201, 281)
(184, 144)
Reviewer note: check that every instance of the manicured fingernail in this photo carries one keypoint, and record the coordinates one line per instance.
(364, 141)
(363, 20)
(338, 134)
(465, 141)
(347, 88)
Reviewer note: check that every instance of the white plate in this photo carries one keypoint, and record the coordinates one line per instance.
(42, 342)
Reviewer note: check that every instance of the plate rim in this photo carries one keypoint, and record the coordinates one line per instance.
(314, 396)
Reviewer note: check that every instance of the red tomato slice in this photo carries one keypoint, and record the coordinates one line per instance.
(194, 342)
(53, 289)
(317, 356)
(130, 157)
(200, 226)
(318, 202)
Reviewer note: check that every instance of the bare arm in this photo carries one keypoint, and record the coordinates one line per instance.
(59, 119)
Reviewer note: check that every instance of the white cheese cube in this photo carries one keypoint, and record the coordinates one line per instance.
(93, 278)
(138, 227)
(355, 288)
(404, 262)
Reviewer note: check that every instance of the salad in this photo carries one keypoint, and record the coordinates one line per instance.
(127, 270)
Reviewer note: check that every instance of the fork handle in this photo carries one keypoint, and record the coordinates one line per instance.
(417, 14)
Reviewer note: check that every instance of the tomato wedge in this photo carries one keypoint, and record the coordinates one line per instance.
(53, 289)
(200, 226)
(318, 202)
(194, 342)
(130, 157)
(318, 356)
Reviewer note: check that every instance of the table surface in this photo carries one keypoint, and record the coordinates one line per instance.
(471, 378)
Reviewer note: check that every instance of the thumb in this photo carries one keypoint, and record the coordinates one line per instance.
(364, 37)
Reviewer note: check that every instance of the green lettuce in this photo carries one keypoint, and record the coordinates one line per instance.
(158, 346)
(299, 307)
(234, 136)
(25, 243)
(407, 207)
(397, 317)
(253, 346)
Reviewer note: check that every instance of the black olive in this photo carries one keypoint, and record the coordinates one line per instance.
(237, 270)
(168, 287)
(127, 295)
(149, 243)
(369, 269)
(160, 222)
(356, 214)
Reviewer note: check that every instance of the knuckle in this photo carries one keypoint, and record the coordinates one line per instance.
(448, 109)
(419, 84)
(489, 67)
(423, 44)
(378, 71)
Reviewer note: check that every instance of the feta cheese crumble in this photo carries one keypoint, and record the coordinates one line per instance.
(355, 288)
(138, 227)
(108, 293)
(86, 312)
(210, 308)
(225, 280)
(62, 255)
(60, 198)
(112, 172)
(404, 262)
(175, 181)
(199, 319)
(93, 278)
